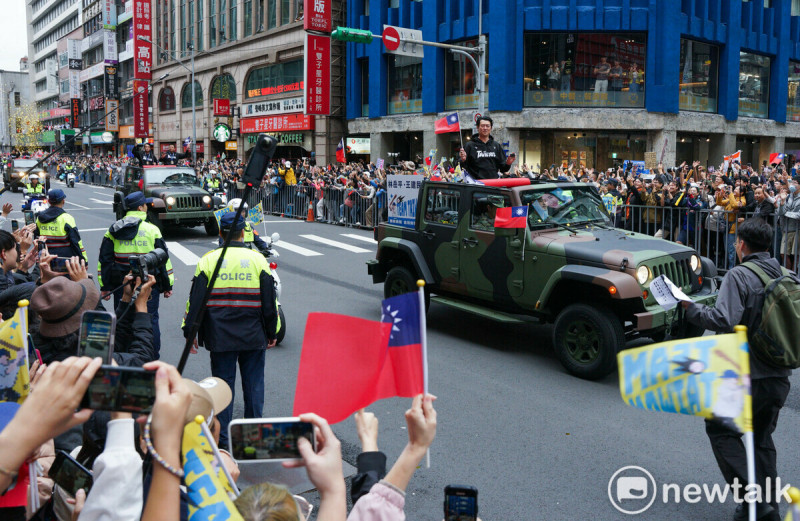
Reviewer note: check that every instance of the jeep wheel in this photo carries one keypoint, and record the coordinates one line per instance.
(282, 331)
(212, 228)
(400, 280)
(586, 340)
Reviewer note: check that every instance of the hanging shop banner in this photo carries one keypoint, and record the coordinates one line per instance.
(317, 15)
(317, 79)
(222, 107)
(110, 46)
(109, 14)
(142, 50)
(97, 103)
(112, 115)
(287, 122)
(268, 108)
(357, 145)
(140, 109)
(76, 112)
(110, 81)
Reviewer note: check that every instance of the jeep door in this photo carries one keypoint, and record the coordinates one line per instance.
(491, 264)
(438, 235)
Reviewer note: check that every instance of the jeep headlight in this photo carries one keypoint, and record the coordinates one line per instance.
(695, 264)
(642, 274)
(207, 199)
(170, 200)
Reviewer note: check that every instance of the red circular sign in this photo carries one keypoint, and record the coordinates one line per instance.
(391, 38)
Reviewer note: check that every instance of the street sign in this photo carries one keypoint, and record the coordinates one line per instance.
(403, 46)
(391, 38)
(317, 79)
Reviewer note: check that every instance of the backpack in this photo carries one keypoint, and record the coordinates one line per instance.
(776, 340)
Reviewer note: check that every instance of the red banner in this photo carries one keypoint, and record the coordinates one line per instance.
(76, 112)
(222, 107)
(142, 50)
(276, 123)
(141, 117)
(317, 15)
(318, 75)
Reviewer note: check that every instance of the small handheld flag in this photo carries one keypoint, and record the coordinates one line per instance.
(448, 123)
(512, 217)
(340, 156)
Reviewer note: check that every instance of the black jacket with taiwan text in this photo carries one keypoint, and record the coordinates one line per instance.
(484, 159)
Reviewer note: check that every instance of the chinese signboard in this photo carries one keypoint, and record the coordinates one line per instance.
(140, 109)
(268, 108)
(402, 192)
(357, 145)
(280, 89)
(317, 15)
(76, 112)
(317, 70)
(110, 46)
(97, 103)
(222, 107)
(111, 84)
(112, 116)
(276, 123)
(109, 14)
(142, 50)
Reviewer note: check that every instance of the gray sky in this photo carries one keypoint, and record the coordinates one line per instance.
(14, 34)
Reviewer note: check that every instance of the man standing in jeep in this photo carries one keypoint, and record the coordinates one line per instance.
(483, 157)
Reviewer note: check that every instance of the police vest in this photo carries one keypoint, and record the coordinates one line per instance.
(56, 234)
(34, 189)
(248, 236)
(213, 183)
(238, 284)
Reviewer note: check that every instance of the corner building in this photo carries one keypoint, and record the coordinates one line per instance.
(687, 80)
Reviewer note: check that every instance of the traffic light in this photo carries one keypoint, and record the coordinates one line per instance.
(348, 34)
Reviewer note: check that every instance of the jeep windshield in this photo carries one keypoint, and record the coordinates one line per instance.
(564, 206)
(24, 163)
(170, 176)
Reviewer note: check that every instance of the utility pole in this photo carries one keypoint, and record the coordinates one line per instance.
(194, 116)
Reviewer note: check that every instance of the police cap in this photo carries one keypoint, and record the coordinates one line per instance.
(226, 222)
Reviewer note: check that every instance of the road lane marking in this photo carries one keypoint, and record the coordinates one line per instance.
(78, 205)
(282, 245)
(182, 253)
(93, 230)
(336, 244)
(359, 237)
(101, 202)
(101, 193)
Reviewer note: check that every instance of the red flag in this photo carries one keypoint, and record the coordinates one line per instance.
(775, 158)
(340, 157)
(511, 217)
(448, 123)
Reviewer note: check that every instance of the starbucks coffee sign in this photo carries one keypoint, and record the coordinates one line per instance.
(222, 132)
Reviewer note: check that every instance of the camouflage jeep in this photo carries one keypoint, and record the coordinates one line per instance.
(570, 266)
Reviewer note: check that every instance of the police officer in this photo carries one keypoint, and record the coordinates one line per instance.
(171, 157)
(58, 228)
(133, 235)
(250, 235)
(33, 186)
(241, 319)
(212, 185)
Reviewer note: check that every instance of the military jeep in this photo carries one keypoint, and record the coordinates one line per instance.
(178, 197)
(568, 266)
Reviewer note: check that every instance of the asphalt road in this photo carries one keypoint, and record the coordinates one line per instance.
(536, 442)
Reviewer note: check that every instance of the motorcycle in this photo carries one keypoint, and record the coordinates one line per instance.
(223, 197)
(269, 253)
(71, 179)
(33, 204)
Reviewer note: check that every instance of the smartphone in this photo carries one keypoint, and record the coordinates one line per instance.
(14, 225)
(70, 475)
(96, 336)
(460, 503)
(126, 389)
(59, 264)
(272, 439)
(28, 214)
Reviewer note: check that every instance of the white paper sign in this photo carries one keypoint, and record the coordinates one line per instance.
(666, 293)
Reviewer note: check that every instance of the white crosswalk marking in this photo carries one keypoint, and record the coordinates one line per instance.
(359, 237)
(78, 205)
(182, 253)
(283, 245)
(101, 202)
(335, 244)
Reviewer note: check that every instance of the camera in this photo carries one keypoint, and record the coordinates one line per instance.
(147, 264)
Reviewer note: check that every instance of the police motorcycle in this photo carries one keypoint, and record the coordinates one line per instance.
(33, 203)
(219, 191)
(270, 255)
(71, 178)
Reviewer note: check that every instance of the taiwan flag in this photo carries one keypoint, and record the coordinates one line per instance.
(775, 158)
(402, 374)
(340, 152)
(513, 217)
(448, 123)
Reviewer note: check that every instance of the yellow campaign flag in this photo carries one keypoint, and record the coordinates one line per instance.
(704, 376)
(256, 214)
(206, 485)
(219, 213)
(15, 379)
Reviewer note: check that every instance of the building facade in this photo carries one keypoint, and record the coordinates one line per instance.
(14, 93)
(248, 53)
(589, 82)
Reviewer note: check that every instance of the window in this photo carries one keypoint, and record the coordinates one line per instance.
(483, 210)
(442, 206)
(183, 27)
(223, 87)
(199, 42)
(698, 76)
(286, 16)
(405, 84)
(795, 7)
(223, 34)
(171, 25)
(232, 21)
(275, 79)
(247, 7)
(17, 99)
(753, 85)
(212, 23)
(272, 15)
(166, 100)
(190, 24)
(793, 102)
(460, 80)
(63, 61)
(584, 70)
(364, 87)
(186, 96)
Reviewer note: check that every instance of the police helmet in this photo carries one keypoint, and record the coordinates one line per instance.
(33, 177)
(233, 204)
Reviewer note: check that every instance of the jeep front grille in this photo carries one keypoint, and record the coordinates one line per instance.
(188, 202)
(679, 272)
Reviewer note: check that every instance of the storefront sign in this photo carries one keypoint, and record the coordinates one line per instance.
(140, 109)
(74, 84)
(142, 54)
(280, 89)
(317, 15)
(110, 81)
(317, 69)
(267, 108)
(97, 103)
(231, 145)
(92, 72)
(284, 138)
(109, 46)
(109, 14)
(112, 116)
(222, 132)
(276, 123)
(75, 64)
(76, 112)
(357, 145)
(222, 107)
(126, 131)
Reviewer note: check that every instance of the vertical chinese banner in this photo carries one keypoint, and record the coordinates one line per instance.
(141, 119)
(112, 117)
(317, 74)
(142, 50)
(317, 15)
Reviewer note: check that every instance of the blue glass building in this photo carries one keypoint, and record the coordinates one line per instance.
(585, 81)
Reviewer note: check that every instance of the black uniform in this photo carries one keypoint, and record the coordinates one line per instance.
(171, 158)
(484, 159)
